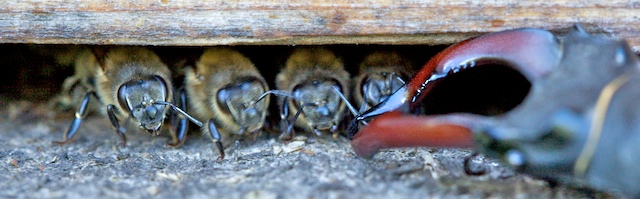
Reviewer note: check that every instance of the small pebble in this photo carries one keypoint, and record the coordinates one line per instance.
(293, 146)
(277, 150)
(169, 176)
(153, 190)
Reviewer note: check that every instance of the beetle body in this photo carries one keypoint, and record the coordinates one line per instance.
(587, 133)
(577, 125)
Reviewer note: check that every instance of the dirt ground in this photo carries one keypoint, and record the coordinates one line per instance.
(95, 165)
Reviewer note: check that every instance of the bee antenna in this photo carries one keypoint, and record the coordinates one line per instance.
(351, 108)
(278, 92)
(295, 117)
(398, 77)
(176, 108)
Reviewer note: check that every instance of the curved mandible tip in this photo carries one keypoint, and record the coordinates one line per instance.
(532, 52)
(394, 130)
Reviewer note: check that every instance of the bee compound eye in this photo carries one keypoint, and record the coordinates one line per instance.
(371, 92)
(164, 87)
(123, 97)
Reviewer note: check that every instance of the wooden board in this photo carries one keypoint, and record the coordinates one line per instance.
(289, 22)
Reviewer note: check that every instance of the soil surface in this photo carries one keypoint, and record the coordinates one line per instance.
(95, 165)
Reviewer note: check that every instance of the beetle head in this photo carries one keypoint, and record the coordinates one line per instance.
(555, 127)
(551, 154)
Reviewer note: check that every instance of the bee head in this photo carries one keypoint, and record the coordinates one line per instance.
(320, 103)
(238, 99)
(377, 87)
(139, 97)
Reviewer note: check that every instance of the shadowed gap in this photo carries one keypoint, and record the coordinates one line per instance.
(485, 90)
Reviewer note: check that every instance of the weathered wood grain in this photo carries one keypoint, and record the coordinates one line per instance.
(288, 22)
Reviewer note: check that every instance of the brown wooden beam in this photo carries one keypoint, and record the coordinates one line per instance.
(288, 22)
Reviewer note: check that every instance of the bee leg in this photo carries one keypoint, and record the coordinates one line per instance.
(179, 134)
(235, 152)
(287, 133)
(284, 118)
(215, 135)
(64, 100)
(237, 145)
(111, 109)
(80, 114)
(334, 131)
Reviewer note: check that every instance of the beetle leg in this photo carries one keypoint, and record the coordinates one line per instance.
(216, 137)
(111, 109)
(180, 121)
(391, 130)
(79, 115)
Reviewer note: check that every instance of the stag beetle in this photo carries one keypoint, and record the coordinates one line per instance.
(576, 125)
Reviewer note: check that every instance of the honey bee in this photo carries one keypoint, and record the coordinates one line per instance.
(316, 79)
(380, 74)
(226, 89)
(131, 82)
